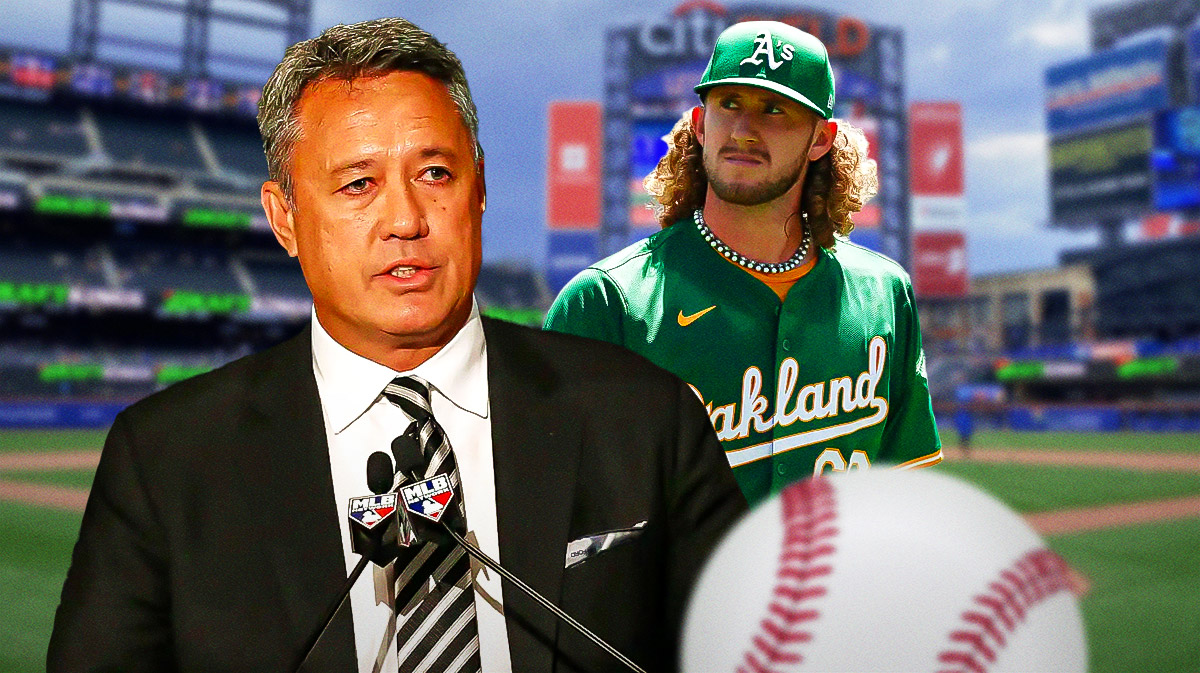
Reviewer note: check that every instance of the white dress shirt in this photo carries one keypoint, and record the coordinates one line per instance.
(360, 421)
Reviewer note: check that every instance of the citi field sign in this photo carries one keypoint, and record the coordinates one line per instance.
(688, 32)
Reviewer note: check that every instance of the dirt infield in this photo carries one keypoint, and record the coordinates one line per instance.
(45, 495)
(52, 460)
(1111, 516)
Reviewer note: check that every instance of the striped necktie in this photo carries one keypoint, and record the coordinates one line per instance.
(439, 634)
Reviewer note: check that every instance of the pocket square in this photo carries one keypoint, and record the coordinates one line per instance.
(587, 547)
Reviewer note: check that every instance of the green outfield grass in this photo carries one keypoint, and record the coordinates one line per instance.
(1039, 488)
(28, 441)
(1164, 442)
(1143, 611)
(33, 564)
(69, 478)
(1142, 614)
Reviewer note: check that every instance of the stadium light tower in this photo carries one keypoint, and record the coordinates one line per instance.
(91, 34)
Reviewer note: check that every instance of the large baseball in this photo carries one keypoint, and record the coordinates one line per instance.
(883, 570)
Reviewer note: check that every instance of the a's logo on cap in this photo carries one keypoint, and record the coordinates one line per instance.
(764, 44)
(428, 498)
(370, 510)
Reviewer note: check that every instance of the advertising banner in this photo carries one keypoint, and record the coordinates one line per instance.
(1176, 159)
(573, 173)
(1106, 88)
(38, 76)
(939, 264)
(1101, 174)
(58, 414)
(1062, 419)
(935, 142)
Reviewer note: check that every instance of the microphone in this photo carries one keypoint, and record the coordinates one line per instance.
(416, 498)
(378, 529)
(379, 473)
(407, 451)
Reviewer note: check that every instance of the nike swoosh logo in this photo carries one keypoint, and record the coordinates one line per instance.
(685, 320)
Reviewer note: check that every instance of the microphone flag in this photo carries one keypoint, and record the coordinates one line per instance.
(428, 498)
(370, 511)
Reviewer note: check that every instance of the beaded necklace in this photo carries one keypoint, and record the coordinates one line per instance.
(741, 260)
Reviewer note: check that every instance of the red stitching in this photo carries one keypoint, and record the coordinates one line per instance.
(1030, 580)
(962, 659)
(985, 623)
(809, 511)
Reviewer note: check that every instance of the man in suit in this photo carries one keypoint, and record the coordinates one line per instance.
(213, 538)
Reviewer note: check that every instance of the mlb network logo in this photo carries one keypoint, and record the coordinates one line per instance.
(370, 510)
(428, 498)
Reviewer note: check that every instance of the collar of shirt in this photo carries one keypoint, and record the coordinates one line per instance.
(349, 383)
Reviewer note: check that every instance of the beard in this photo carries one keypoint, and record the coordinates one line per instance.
(750, 194)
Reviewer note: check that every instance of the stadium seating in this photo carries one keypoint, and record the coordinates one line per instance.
(238, 149)
(156, 142)
(35, 129)
(277, 277)
(156, 268)
(31, 263)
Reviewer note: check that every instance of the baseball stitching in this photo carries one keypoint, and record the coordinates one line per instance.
(999, 611)
(809, 511)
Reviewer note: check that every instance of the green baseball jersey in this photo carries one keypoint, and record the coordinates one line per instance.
(832, 378)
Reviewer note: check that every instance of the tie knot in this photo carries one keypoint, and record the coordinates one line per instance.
(411, 394)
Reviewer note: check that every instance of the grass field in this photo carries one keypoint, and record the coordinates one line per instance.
(1156, 442)
(33, 564)
(1142, 612)
(28, 441)
(1041, 488)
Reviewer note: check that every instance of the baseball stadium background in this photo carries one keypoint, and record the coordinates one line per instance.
(133, 252)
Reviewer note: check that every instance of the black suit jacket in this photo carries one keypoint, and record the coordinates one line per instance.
(210, 540)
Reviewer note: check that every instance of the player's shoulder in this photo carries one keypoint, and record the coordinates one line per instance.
(564, 358)
(856, 260)
(640, 259)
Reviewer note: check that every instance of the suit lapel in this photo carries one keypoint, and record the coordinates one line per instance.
(535, 452)
(288, 471)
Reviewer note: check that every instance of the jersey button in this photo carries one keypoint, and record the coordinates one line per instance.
(787, 344)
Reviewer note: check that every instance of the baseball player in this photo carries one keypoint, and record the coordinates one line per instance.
(804, 346)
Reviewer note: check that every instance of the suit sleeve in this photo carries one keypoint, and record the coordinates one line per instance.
(703, 500)
(910, 438)
(114, 611)
(592, 306)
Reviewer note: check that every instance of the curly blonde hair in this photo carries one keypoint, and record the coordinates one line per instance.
(837, 185)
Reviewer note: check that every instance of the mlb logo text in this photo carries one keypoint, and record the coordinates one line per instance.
(369, 511)
(428, 498)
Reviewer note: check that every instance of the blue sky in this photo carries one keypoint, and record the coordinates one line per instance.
(521, 54)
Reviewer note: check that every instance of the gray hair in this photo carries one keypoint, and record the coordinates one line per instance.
(346, 52)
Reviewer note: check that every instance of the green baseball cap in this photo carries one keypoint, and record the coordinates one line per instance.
(774, 56)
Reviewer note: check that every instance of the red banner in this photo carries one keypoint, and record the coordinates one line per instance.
(573, 176)
(935, 148)
(939, 264)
